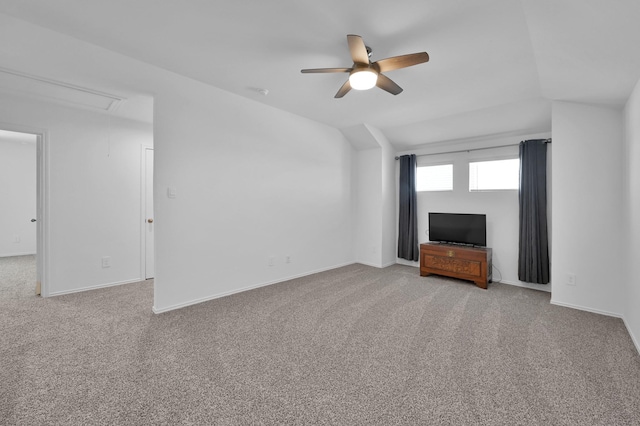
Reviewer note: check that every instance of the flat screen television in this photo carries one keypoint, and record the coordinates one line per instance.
(458, 228)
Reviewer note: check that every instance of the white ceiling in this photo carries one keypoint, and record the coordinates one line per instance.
(495, 64)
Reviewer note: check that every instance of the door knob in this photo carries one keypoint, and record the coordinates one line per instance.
(150, 220)
(33, 220)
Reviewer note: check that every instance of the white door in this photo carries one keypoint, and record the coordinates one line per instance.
(149, 225)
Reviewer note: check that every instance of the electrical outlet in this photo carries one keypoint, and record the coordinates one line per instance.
(106, 262)
(272, 260)
(571, 279)
(287, 259)
(16, 239)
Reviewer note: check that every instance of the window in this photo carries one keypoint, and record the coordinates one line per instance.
(494, 175)
(435, 178)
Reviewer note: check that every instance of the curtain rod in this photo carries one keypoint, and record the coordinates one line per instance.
(473, 149)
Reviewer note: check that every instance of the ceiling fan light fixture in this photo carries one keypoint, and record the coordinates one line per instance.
(363, 79)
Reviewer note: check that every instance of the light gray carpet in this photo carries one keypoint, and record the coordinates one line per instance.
(353, 346)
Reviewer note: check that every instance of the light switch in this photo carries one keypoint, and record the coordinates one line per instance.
(171, 192)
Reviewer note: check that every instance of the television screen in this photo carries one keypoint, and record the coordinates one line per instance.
(461, 228)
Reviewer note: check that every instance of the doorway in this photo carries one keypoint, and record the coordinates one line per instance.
(21, 221)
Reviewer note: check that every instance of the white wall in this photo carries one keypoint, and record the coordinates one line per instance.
(389, 185)
(631, 249)
(18, 195)
(374, 178)
(501, 207)
(587, 214)
(252, 182)
(94, 192)
(368, 210)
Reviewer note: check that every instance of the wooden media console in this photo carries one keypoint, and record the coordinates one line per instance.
(463, 262)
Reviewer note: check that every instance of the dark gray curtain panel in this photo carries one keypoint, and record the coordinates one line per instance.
(408, 221)
(533, 258)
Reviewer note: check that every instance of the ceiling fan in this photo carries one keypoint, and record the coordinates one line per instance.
(364, 74)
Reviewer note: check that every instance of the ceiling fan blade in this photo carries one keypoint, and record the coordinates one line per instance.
(357, 49)
(402, 61)
(323, 70)
(344, 89)
(385, 83)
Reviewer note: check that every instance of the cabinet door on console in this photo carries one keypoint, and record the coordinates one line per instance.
(451, 264)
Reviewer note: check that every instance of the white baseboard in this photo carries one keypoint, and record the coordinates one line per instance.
(94, 287)
(633, 338)
(367, 264)
(545, 288)
(542, 287)
(583, 308)
(240, 290)
(375, 266)
(635, 341)
(405, 262)
(16, 254)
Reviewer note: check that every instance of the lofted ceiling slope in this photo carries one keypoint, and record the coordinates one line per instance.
(495, 65)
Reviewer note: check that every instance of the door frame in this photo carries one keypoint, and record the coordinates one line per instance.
(143, 216)
(42, 202)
